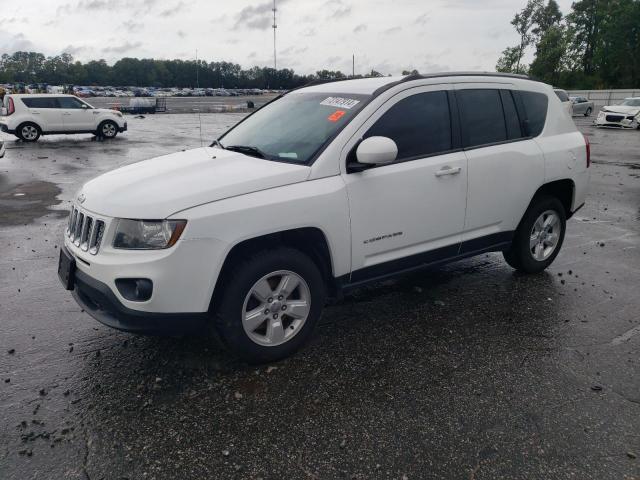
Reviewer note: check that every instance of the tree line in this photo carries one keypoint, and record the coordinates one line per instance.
(595, 46)
(34, 67)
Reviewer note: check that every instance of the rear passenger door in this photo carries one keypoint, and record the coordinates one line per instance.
(409, 212)
(45, 113)
(505, 166)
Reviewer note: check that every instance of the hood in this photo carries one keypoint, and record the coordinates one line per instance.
(622, 109)
(157, 188)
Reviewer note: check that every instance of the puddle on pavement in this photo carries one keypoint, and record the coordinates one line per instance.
(24, 202)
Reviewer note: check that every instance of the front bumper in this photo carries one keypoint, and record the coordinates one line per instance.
(99, 301)
(619, 120)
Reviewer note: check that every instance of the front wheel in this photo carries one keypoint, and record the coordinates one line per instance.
(107, 129)
(269, 305)
(539, 236)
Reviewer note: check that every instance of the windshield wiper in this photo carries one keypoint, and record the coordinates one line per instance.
(217, 143)
(248, 150)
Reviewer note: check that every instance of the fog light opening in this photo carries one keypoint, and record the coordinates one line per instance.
(135, 289)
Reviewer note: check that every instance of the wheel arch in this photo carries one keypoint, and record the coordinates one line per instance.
(309, 240)
(563, 189)
(31, 122)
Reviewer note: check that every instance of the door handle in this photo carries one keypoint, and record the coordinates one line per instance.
(35, 113)
(448, 171)
(66, 113)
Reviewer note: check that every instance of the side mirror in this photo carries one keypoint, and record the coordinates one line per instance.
(84, 106)
(377, 151)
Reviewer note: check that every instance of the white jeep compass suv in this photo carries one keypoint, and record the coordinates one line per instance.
(28, 116)
(322, 190)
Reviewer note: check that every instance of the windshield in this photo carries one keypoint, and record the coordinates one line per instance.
(631, 102)
(293, 128)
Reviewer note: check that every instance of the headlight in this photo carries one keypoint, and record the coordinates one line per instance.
(148, 234)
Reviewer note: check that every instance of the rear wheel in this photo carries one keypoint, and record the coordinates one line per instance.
(269, 305)
(539, 237)
(28, 132)
(107, 129)
(588, 112)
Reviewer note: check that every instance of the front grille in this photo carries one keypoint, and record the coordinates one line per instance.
(615, 118)
(85, 231)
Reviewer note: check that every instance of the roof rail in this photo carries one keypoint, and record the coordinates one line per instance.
(419, 76)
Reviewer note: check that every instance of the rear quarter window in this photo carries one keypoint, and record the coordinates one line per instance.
(562, 95)
(535, 106)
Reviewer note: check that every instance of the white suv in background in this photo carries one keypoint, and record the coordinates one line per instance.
(322, 190)
(29, 116)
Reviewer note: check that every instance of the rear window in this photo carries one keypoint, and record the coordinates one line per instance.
(40, 102)
(535, 106)
(482, 117)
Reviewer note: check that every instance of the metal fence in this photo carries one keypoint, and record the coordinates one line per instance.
(600, 98)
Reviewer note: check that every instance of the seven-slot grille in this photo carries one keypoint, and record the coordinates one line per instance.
(85, 231)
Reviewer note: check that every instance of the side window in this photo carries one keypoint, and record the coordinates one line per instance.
(535, 106)
(40, 102)
(512, 120)
(562, 95)
(481, 117)
(420, 125)
(69, 102)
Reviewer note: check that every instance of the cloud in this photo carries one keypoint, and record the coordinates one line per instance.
(339, 9)
(360, 28)
(125, 47)
(422, 19)
(131, 26)
(172, 10)
(10, 42)
(392, 30)
(13, 20)
(258, 17)
(181, 34)
(74, 50)
(309, 32)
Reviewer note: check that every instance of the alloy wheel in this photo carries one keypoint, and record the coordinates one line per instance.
(29, 132)
(276, 308)
(545, 235)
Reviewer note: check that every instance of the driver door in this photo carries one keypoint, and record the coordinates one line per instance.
(410, 212)
(76, 115)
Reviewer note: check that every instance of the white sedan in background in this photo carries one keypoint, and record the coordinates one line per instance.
(625, 115)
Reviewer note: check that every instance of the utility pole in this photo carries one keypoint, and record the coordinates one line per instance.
(275, 26)
(353, 65)
(197, 72)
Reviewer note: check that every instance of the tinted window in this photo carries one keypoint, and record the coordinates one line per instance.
(40, 102)
(420, 125)
(535, 106)
(69, 102)
(510, 115)
(562, 95)
(481, 117)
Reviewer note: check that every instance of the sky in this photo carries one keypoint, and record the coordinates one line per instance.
(388, 36)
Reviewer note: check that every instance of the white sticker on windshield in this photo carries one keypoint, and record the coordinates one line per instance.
(340, 102)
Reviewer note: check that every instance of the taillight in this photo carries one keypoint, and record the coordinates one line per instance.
(11, 108)
(588, 145)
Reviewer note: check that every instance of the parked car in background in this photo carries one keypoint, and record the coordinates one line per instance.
(625, 115)
(582, 106)
(30, 116)
(323, 190)
(566, 101)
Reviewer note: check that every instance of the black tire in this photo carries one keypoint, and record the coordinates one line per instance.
(107, 129)
(228, 314)
(28, 132)
(588, 112)
(520, 255)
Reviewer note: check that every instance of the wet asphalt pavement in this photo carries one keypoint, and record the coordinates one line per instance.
(469, 371)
